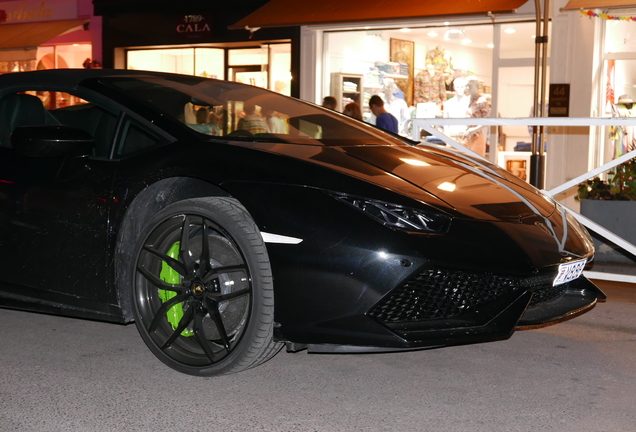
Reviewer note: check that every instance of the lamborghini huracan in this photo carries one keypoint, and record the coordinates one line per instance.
(228, 221)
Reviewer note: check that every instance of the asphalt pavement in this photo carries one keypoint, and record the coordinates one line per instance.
(64, 374)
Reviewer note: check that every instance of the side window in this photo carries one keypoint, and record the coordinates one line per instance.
(51, 107)
(135, 138)
(21, 109)
(95, 120)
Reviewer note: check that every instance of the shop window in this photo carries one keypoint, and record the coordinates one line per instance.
(248, 56)
(63, 56)
(617, 92)
(280, 68)
(619, 97)
(209, 62)
(517, 40)
(620, 36)
(177, 60)
(412, 71)
(267, 66)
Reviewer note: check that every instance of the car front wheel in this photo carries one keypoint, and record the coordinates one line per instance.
(202, 292)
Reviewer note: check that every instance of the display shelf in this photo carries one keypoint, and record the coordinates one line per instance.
(347, 87)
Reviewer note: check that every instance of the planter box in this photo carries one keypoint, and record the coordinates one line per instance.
(620, 218)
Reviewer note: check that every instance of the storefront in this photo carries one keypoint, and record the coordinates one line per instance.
(412, 53)
(194, 39)
(48, 34)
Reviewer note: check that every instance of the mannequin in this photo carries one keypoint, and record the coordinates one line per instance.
(429, 86)
(442, 62)
(478, 106)
(457, 107)
(394, 104)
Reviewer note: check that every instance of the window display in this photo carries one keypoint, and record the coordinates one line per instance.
(423, 72)
(413, 76)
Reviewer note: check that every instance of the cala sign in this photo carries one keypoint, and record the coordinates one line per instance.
(194, 26)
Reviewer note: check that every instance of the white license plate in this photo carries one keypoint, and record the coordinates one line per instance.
(568, 272)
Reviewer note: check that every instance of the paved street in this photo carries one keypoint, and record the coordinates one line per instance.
(61, 374)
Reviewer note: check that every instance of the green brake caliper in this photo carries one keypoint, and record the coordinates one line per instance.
(170, 275)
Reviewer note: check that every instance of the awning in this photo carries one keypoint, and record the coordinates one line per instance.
(289, 13)
(33, 34)
(599, 4)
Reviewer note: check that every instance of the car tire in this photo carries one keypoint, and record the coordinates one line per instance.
(204, 307)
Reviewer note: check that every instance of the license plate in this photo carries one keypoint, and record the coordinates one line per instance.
(568, 272)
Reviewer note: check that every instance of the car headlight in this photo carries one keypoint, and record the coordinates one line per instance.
(397, 216)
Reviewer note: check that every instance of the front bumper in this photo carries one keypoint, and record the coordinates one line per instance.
(442, 313)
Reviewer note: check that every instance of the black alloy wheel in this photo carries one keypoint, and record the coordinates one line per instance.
(202, 294)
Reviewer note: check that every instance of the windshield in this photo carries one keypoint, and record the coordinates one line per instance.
(229, 109)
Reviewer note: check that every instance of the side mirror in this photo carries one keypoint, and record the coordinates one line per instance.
(51, 141)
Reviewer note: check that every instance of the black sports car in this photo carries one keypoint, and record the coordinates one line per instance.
(227, 220)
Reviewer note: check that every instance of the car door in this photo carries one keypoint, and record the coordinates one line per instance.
(54, 239)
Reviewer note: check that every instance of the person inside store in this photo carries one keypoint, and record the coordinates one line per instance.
(383, 119)
(353, 110)
(478, 106)
(252, 122)
(330, 102)
(275, 121)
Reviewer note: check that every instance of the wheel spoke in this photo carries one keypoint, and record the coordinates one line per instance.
(199, 334)
(185, 244)
(204, 260)
(158, 282)
(218, 320)
(218, 297)
(215, 272)
(165, 307)
(185, 320)
(176, 265)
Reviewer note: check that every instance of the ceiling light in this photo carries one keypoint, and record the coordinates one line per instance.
(432, 33)
(454, 34)
(510, 30)
(490, 45)
(405, 30)
(466, 41)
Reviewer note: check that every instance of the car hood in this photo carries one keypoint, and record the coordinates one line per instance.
(464, 186)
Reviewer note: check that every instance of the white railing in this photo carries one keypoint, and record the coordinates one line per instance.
(429, 125)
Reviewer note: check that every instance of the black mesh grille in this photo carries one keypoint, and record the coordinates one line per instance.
(438, 294)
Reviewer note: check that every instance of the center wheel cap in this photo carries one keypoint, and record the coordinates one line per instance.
(198, 289)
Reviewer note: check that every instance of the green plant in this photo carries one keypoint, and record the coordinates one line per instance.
(619, 186)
